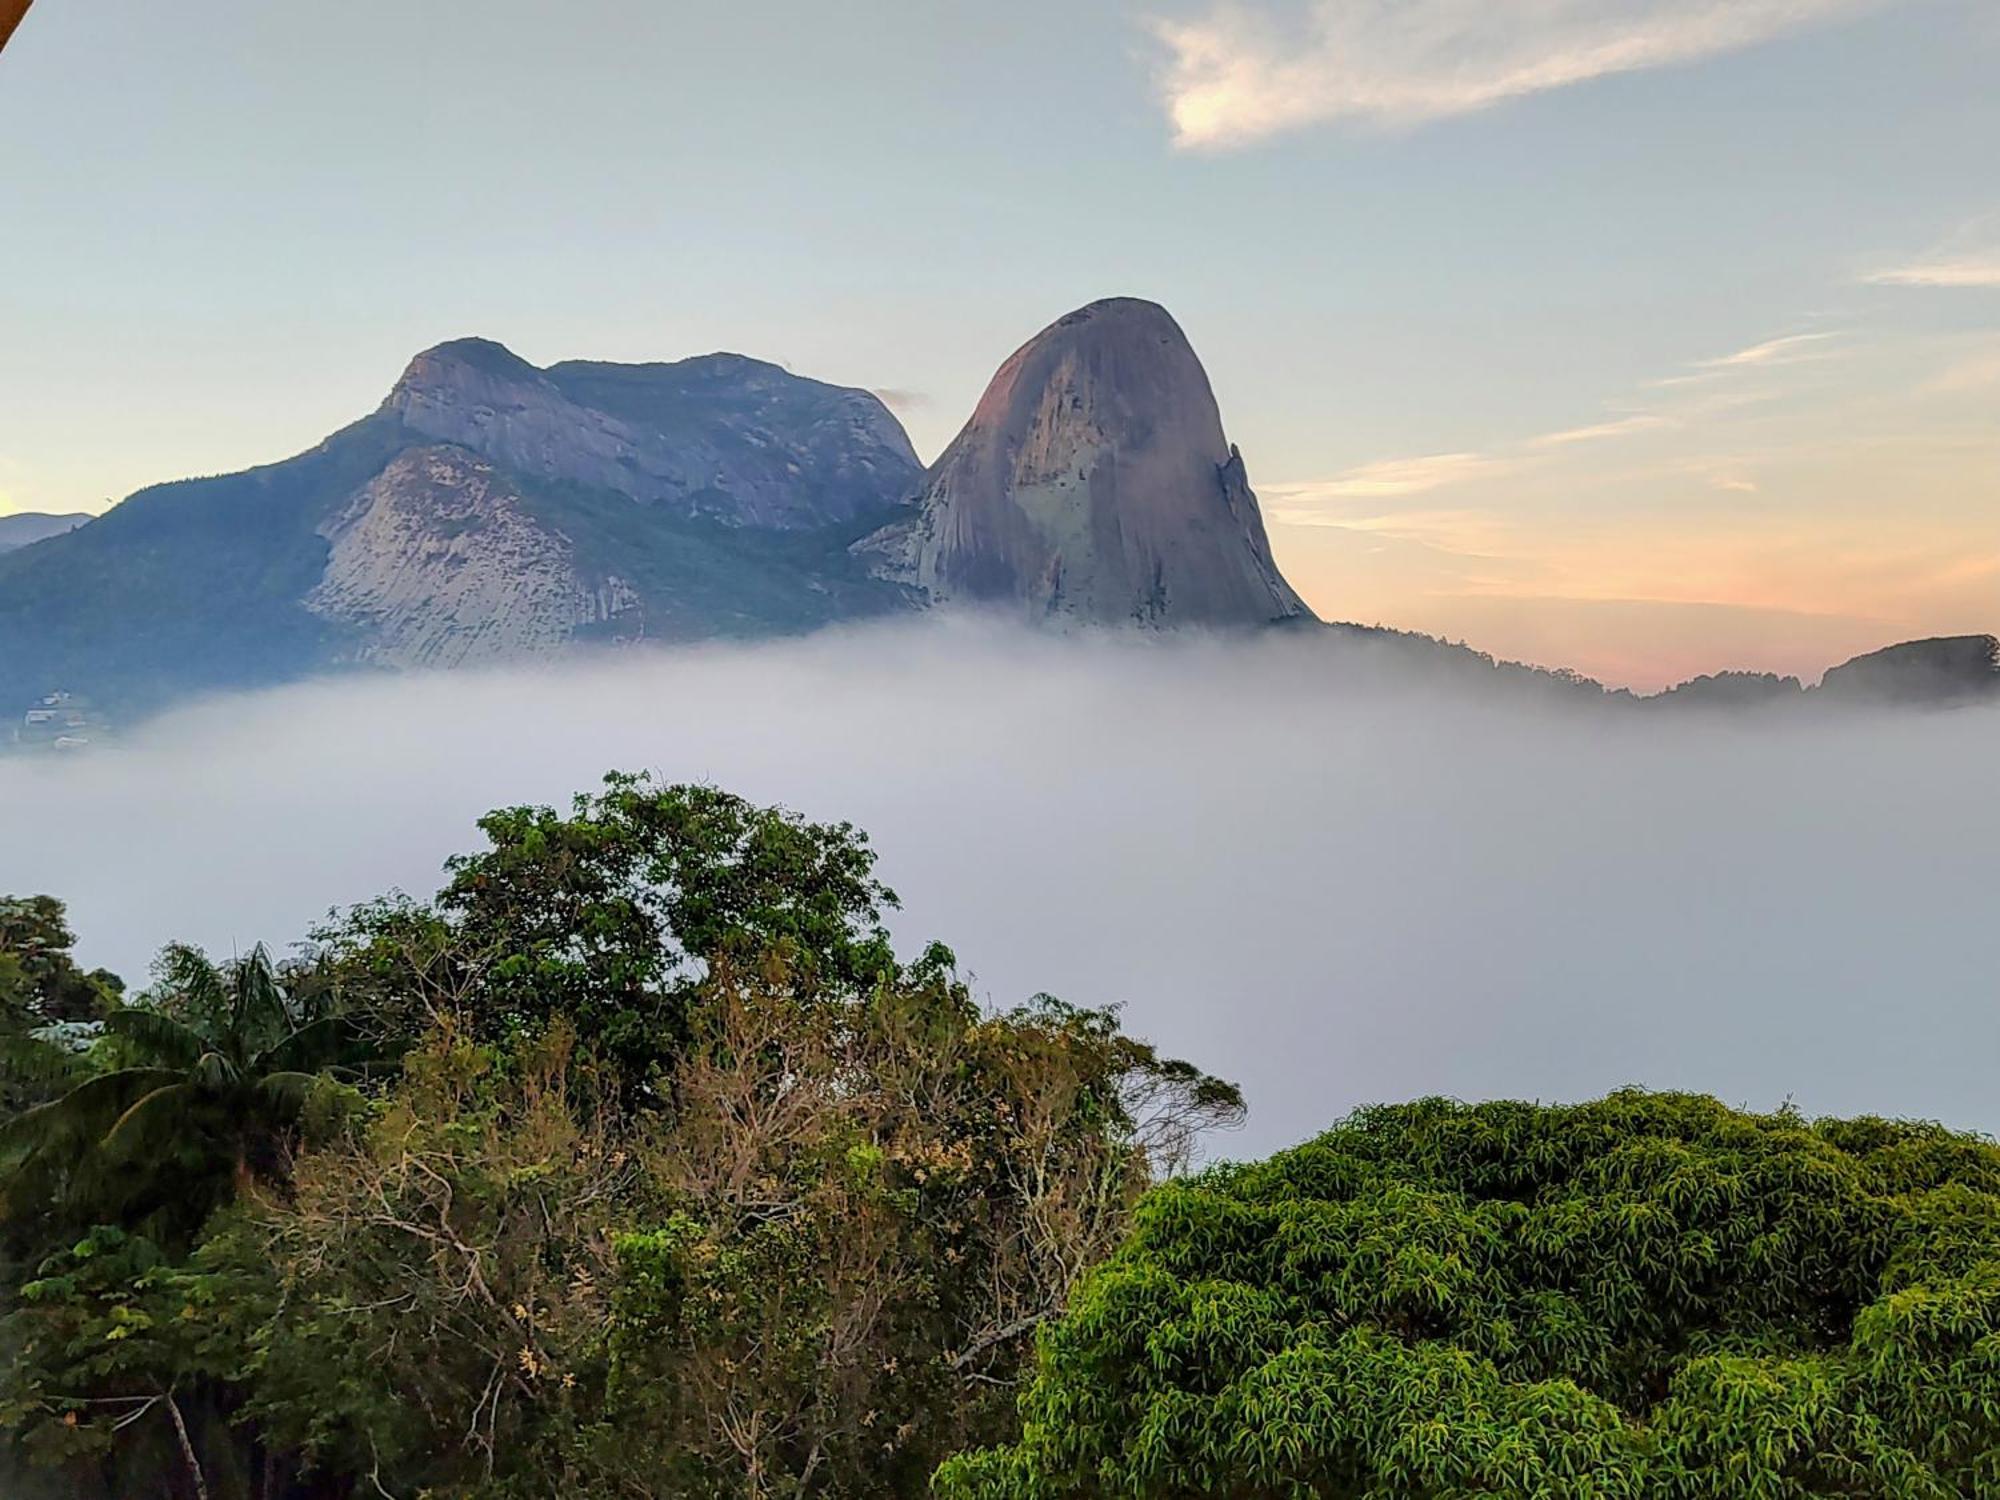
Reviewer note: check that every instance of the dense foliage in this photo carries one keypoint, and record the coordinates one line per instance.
(198, 1087)
(685, 1185)
(638, 1163)
(1652, 1295)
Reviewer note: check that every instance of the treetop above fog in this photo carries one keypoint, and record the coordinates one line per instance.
(609, 914)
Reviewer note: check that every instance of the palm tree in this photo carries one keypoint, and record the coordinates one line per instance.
(221, 1061)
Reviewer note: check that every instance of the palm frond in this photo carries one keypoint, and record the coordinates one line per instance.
(259, 998)
(285, 1094)
(31, 1062)
(188, 980)
(333, 1044)
(147, 1126)
(170, 1042)
(81, 1116)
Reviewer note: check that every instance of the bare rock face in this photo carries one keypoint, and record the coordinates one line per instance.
(433, 563)
(721, 436)
(1094, 483)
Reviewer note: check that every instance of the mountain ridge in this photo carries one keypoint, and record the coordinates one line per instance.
(489, 508)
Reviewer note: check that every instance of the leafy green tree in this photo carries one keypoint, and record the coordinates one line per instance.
(43, 992)
(218, 1068)
(1652, 1295)
(122, 1377)
(40, 981)
(608, 916)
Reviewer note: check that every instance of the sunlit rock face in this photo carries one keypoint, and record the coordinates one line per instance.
(720, 437)
(1094, 484)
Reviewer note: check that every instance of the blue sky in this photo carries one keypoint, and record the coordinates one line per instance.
(1647, 336)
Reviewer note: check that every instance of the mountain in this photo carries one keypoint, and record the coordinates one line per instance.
(1094, 484)
(489, 509)
(486, 509)
(26, 528)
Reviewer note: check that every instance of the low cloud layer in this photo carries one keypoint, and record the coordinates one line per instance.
(1248, 71)
(1286, 865)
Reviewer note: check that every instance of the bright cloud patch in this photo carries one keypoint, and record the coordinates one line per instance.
(1245, 72)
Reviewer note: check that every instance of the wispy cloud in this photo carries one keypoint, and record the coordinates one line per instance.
(1395, 477)
(1968, 258)
(1978, 373)
(1789, 350)
(1599, 432)
(1248, 71)
(1975, 271)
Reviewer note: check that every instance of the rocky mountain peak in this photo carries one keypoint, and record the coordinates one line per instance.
(1094, 483)
(720, 437)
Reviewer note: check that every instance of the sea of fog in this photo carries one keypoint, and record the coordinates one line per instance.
(1330, 886)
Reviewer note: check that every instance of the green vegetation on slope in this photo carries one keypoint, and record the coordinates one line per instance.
(185, 587)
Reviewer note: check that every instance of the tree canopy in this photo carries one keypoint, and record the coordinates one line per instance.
(608, 916)
(1652, 1295)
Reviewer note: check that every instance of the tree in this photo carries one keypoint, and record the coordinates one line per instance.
(815, 1268)
(40, 982)
(871, 1207)
(607, 916)
(1652, 1295)
(49, 1008)
(219, 1067)
(122, 1378)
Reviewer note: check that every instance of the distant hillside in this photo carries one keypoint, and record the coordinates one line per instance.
(1946, 673)
(28, 527)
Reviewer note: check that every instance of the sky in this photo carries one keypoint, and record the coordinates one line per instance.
(1292, 863)
(1648, 337)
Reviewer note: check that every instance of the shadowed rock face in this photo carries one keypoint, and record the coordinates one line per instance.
(719, 437)
(1094, 483)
